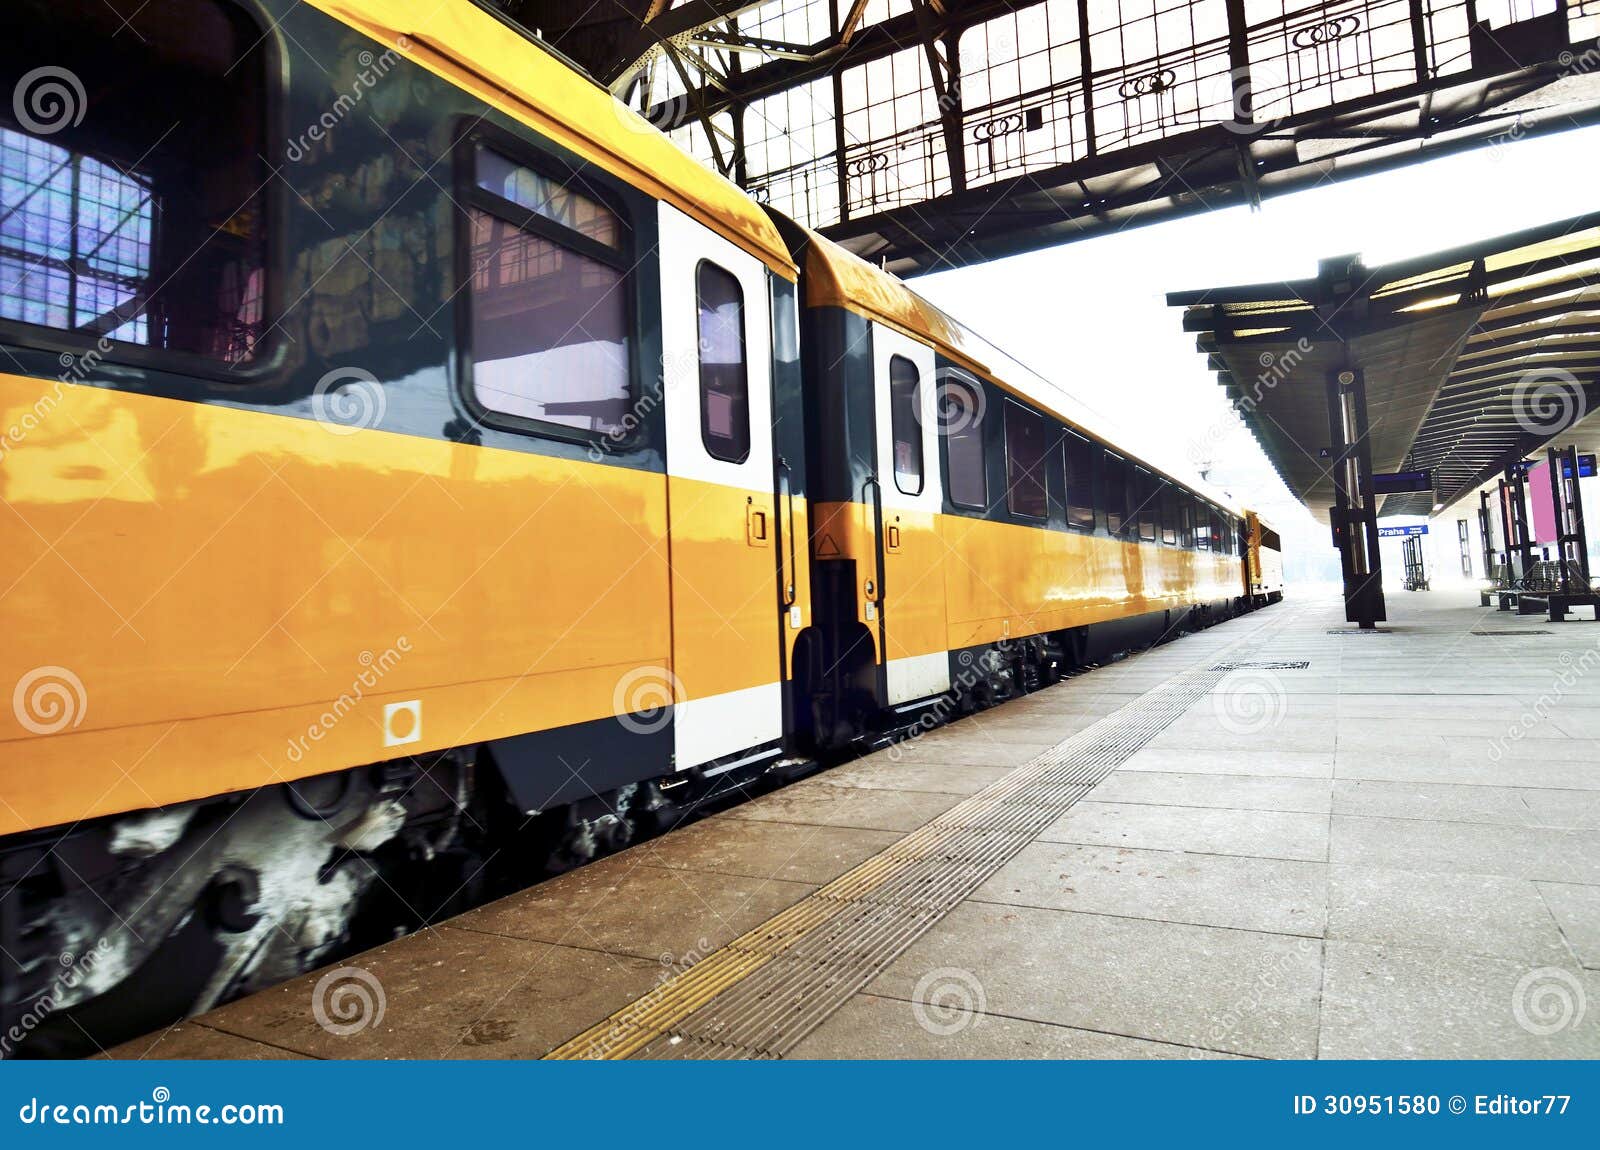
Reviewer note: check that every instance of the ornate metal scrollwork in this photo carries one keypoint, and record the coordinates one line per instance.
(1150, 84)
(1007, 125)
(1327, 32)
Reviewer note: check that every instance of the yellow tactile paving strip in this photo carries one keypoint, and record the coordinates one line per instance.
(761, 993)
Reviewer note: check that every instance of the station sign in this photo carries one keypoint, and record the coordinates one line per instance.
(1402, 532)
(1586, 468)
(1401, 482)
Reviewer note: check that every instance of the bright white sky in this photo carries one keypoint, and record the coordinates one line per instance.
(1093, 316)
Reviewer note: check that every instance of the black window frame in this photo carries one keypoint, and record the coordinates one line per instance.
(1167, 516)
(744, 362)
(1075, 511)
(1114, 487)
(977, 430)
(1040, 471)
(917, 434)
(272, 351)
(470, 194)
(1186, 506)
(1147, 505)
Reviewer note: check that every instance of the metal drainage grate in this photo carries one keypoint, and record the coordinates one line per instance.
(1271, 665)
(1510, 634)
(760, 995)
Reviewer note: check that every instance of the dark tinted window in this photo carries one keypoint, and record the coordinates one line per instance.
(905, 424)
(1185, 520)
(1079, 455)
(1169, 513)
(1202, 527)
(1219, 540)
(1026, 433)
(1145, 503)
(1116, 491)
(549, 306)
(141, 218)
(724, 381)
(961, 416)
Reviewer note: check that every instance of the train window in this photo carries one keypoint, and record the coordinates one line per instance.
(1270, 540)
(1116, 489)
(905, 424)
(1219, 538)
(1185, 520)
(961, 408)
(1202, 527)
(140, 220)
(1169, 514)
(1145, 504)
(1025, 455)
(549, 308)
(1078, 455)
(724, 381)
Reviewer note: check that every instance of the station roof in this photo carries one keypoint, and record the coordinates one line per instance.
(1473, 357)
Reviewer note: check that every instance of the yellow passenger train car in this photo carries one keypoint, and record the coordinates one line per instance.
(420, 474)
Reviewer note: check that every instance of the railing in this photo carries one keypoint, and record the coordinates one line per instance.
(1146, 82)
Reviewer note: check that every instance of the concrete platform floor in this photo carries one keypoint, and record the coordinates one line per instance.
(1393, 851)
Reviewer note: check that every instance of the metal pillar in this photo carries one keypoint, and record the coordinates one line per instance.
(1503, 493)
(1416, 568)
(1572, 541)
(1519, 543)
(1355, 511)
(1485, 536)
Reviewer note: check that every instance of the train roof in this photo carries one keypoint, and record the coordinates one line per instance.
(482, 54)
(836, 277)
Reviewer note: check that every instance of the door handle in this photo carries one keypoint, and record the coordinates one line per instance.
(894, 537)
(755, 525)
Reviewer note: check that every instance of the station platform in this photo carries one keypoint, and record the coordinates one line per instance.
(1279, 837)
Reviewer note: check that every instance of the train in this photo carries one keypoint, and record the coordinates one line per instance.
(421, 475)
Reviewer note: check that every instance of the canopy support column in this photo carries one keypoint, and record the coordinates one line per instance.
(1355, 511)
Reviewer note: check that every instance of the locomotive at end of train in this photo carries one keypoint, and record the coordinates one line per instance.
(421, 476)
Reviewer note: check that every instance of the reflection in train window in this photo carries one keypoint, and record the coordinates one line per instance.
(724, 380)
(1026, 436)
(1078, 454)
(550, 318)
(115, 222)
(905, 424)
(961, 420)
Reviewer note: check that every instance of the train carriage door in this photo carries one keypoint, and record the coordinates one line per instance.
(912, 599)
(717, 388)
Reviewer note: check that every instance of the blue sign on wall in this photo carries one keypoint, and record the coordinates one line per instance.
(1402, 532)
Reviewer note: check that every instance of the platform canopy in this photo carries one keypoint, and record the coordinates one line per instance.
(925, 134)
(1473, 358)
